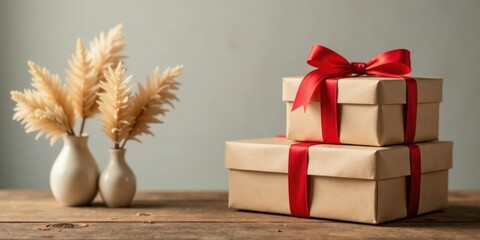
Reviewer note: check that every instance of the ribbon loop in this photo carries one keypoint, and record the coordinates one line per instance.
(327, 60)
(391, 63)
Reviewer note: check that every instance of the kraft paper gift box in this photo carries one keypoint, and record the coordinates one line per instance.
(370, 111)
(345, 182)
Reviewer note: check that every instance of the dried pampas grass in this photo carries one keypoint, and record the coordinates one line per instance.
(52, 107)
(49, 87)
(125, 118)
(37, 114)
(82, 83)
(151, 100)
(114, 104)
(86, 70)
(47, 109)
(105, 51)
(96, 82)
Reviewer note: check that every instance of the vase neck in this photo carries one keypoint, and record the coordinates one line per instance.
(117, 155)
(76, 141)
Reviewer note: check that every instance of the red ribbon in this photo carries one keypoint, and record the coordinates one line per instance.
(415, 180)
(331, 66)
(298, 179)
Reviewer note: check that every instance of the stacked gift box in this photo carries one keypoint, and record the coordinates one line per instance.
(361, 145)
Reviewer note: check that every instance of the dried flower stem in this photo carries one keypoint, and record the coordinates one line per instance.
(82, 126)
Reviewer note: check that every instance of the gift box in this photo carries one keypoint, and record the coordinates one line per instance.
(371, 111)
(345, 182)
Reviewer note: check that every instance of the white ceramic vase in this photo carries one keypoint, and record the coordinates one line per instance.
(117, 181)
(74, 174)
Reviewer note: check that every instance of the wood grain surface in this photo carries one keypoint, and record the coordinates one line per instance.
(204, 215)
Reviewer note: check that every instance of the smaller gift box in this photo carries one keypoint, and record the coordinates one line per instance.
(371, 111)
(351, 183)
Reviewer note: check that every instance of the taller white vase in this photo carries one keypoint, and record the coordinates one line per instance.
(74, 174)
(117, 182)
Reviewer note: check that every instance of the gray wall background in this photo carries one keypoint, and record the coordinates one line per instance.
(235, 54)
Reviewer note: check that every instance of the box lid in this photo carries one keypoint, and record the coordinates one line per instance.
(372, 90)
(346, 161)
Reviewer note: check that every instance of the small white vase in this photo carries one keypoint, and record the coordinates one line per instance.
(117, 181)
(74, 174)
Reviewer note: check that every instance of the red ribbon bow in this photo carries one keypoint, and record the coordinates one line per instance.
(331, 66)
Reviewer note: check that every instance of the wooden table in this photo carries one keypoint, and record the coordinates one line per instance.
(204, 215)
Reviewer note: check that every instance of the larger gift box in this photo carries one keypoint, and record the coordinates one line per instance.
(351, 183)
(371, 111)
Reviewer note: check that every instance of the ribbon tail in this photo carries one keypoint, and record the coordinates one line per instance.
(308, 88)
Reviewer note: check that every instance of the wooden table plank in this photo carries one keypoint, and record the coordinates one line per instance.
(204, 215)
(200, 230)
(161, 207)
